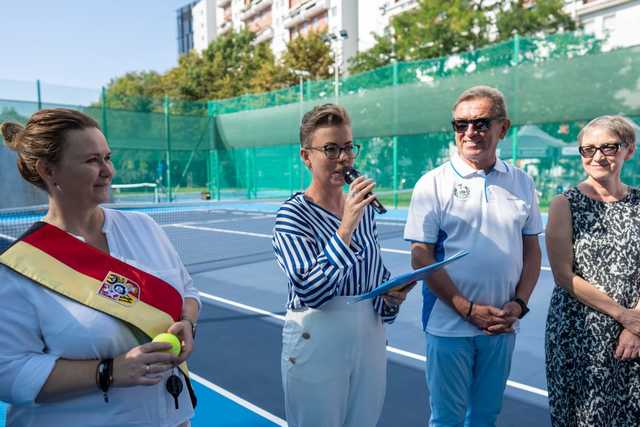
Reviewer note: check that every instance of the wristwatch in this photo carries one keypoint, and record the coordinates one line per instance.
(194, 325)
(523, 306)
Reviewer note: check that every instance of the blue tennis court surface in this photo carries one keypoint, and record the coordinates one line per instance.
(214, 409)
(227, 249)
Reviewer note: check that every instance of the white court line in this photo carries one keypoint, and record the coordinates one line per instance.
(7, 237)
(219, 230)
(217, 221)
(419, 357)
(268, 236)
(240, 401)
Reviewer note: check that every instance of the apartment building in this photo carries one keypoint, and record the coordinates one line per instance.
(278, 21)
(615, 19)
(273, 21)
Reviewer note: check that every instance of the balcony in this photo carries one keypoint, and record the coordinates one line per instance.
(225, 27)
(305, 11)
(224, 3)
(255, 7)
(264, 35)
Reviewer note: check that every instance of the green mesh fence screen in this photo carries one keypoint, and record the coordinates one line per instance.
(247, 147)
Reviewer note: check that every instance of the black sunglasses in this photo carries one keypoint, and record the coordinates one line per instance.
(481, 125)
(333, 151)
(588, 151)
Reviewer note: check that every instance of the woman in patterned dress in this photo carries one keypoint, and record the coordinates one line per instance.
(593, 327)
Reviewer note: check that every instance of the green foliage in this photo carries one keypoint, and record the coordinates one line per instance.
(309, 53)
(438, 28)
(545, 17)
(378, 56)
(224, 70)
(135, 91)
(231, 66)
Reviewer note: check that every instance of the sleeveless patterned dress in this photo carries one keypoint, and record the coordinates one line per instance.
(587, 385)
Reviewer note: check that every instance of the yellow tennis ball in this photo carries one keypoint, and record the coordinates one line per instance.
(171, 339)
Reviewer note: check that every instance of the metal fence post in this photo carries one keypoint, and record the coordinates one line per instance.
(395, 137)
(247, 171)
(514, 130)
(167, 132)
(39, 94)
(103, 104)
(211, 158)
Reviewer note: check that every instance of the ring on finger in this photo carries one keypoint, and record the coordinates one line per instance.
(147, 368)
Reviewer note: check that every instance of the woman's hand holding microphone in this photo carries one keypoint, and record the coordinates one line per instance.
(359, 196)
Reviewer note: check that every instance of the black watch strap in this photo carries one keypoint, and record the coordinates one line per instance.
(194, 326)
(523, 306)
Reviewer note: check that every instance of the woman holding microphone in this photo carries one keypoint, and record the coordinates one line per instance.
(333, 354)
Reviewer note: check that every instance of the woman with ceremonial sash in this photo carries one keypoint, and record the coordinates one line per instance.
(333, 353)
(84, 290)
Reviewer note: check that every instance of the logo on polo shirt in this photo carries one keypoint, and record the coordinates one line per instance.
(461, 191)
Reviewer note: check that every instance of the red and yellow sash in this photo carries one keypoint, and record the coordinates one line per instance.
(64, 264)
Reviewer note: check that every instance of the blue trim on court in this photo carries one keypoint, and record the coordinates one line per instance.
(213, 409)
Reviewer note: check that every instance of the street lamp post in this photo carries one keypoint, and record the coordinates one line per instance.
(332, 39)
(301, 74)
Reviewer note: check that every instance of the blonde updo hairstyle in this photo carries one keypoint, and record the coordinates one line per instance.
(42, 138)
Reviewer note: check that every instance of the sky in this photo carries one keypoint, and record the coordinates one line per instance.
(83, 43)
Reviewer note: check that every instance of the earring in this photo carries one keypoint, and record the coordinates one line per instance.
(55, 184)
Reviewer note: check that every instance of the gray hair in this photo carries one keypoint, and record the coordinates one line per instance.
(616, 125)
(498, 107)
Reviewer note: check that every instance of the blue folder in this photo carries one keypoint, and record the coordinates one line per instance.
(406, 278)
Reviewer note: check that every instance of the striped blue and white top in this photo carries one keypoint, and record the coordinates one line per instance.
(319, 265)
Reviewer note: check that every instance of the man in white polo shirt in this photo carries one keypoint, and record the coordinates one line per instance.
(480, 203)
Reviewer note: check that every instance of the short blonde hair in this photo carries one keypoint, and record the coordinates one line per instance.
(326, 115)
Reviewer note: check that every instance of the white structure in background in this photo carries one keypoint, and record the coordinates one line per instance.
(616, 19)
(278, 21)
(273, 21)
(203, 13)
(374, 17)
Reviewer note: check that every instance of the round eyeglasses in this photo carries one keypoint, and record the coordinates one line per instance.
(333, 151)
(588, 151)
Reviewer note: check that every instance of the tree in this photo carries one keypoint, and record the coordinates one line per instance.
(435, 28)
(544, 17)
(309, 53)
(134, 91)
(438, 28)
(224, 70)
(381, 54)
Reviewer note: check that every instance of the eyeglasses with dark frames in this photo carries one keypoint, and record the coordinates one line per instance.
(481, 125)
(610, 149)
(333, 151)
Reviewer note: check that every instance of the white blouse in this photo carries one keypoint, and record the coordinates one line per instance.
(38, 326)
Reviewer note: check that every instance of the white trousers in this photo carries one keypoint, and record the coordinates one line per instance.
(334, 365)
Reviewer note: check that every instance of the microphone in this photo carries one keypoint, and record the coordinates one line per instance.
(350, 174)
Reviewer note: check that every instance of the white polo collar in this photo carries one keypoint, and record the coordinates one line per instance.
(464, 170)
